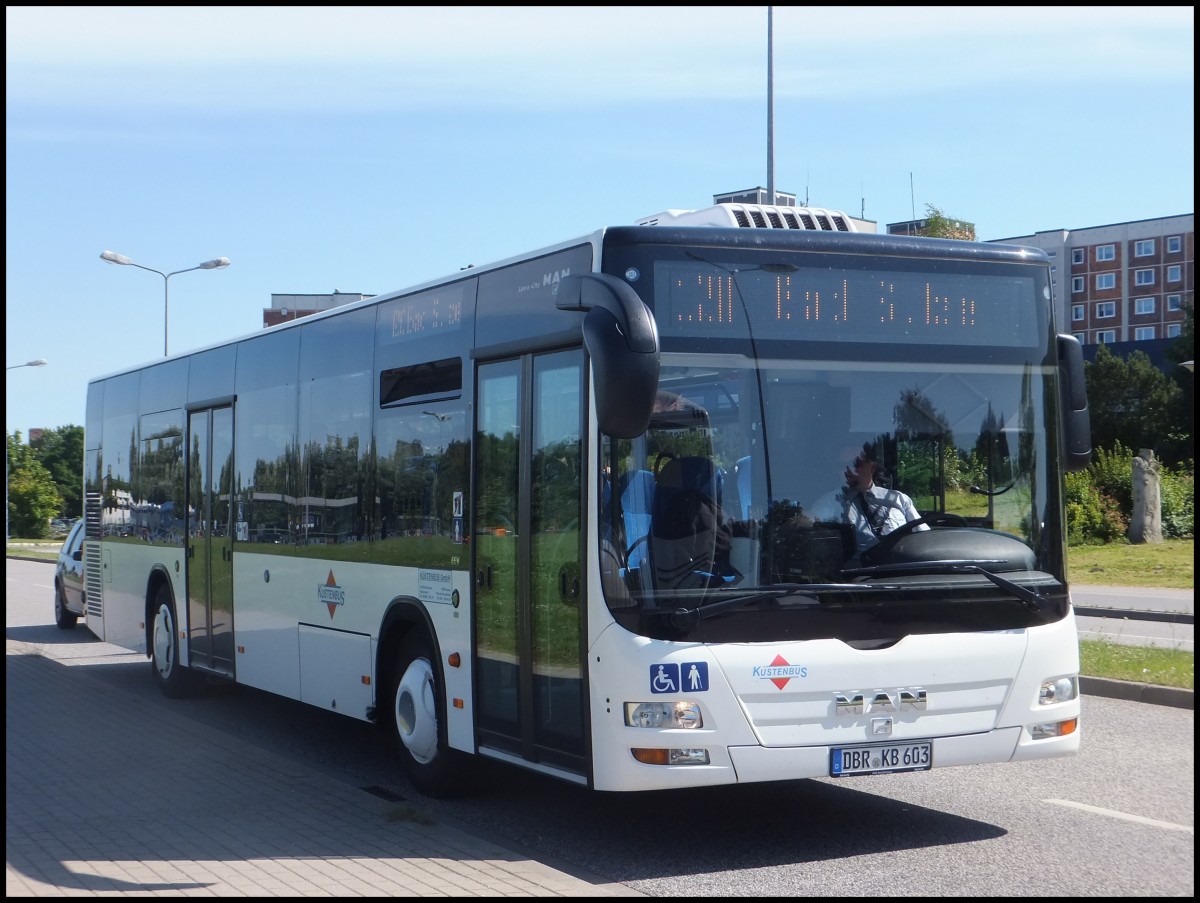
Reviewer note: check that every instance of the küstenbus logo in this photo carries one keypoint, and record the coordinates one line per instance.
(331, 594)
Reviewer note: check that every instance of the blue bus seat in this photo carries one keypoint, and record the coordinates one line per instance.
(637, 499)
(685, 524)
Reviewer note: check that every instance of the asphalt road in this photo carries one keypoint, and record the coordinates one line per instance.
(1136, 617)
(1116, 820)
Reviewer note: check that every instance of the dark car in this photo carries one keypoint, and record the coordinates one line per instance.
(68, 579)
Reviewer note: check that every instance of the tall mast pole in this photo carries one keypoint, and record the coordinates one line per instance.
(770, 116)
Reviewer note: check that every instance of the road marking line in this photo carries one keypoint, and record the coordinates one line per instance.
(1125, 816)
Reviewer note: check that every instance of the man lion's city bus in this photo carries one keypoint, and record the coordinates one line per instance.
(562, 511)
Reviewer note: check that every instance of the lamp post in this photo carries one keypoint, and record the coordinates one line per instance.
(39, 362)
(217, 264)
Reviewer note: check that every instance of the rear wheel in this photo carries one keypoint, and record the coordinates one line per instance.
(63, 616)
(418, 734)
(173, 678)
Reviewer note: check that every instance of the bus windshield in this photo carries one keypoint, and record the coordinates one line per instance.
(778, 379)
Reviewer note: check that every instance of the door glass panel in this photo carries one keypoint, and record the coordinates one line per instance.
(496, 514)
(221, 541)
(209, 539)
(555, 575)
(198, 497)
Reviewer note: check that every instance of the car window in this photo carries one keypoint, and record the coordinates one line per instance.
(74, 539)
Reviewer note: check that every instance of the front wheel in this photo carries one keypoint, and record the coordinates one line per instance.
(418, 734)
(63, 616)
(172, 677)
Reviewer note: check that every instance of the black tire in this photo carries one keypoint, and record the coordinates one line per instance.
(172, 678)
(64, 618)
(417, 733)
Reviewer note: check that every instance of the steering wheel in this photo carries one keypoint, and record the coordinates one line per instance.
(889, 541)
(661, 460)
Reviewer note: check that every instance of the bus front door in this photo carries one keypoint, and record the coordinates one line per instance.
(210, 540)
(528, 559)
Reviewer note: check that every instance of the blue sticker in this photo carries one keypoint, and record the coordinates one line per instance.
(695, 676)
(664, 678)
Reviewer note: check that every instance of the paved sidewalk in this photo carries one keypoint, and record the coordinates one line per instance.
(107, 795)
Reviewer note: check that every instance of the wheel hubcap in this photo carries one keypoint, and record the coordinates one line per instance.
(164, 632)
(416, 711)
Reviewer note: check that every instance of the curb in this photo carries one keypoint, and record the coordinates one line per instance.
(1135, 692)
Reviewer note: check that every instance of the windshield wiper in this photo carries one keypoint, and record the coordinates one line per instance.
(1032, 600)
(687, 617)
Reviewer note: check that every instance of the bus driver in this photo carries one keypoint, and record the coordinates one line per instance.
(873, 510)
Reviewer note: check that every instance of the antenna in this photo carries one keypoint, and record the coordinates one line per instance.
(912, 196)
(770, 117)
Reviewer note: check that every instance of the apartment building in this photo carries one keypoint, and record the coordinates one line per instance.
(1123, 283)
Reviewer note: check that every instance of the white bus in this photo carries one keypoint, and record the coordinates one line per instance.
(562, 510)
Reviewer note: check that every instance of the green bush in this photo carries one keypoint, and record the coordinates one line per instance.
(1112, 474)
(1092, 516)
(1177, 492)
(1100, 499)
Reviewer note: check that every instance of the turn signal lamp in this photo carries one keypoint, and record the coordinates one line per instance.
(671, 756)
(1053, 729)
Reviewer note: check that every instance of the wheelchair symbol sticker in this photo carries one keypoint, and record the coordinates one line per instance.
(665, 678)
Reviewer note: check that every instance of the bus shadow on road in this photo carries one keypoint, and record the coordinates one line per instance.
(77, 646)
(726, 828)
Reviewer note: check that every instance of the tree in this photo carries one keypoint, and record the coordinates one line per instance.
(1131, 402)
(938, 225)
(60, 451)
(32, 496)
(1184, 347)
(1184, 412)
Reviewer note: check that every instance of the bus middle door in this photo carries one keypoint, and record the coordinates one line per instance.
(210, 540)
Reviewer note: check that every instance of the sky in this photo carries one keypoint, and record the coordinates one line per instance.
(367, 149)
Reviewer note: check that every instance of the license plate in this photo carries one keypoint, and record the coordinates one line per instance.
(892, 757)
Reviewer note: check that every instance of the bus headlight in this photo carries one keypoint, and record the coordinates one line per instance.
(1058, 689)
(663, 714)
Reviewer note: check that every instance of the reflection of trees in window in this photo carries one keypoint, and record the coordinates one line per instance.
(407, 480)
(334, 498)
(925, 451)
(498, 491)
(1027, 455)
(268, 464)
(556, 485)
(158, 482)
(195, 483)
(991, 453)
(416, 485)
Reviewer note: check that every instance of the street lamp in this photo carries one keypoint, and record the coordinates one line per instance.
(39, 362)
(113, 257)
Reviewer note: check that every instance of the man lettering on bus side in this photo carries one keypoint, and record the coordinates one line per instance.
(873, 510)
